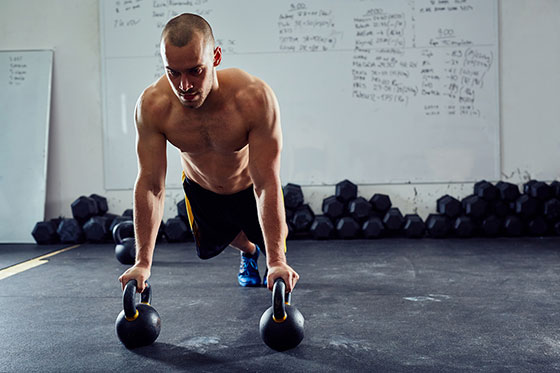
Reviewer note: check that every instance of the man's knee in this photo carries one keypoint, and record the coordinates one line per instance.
(240, 241)
(208, 251)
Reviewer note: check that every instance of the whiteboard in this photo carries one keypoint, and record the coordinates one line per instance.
(376, 91)
(25, 96)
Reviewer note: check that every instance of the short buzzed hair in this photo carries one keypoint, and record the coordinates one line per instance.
(181, 29)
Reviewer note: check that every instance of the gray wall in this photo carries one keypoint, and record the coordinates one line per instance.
(530, 102)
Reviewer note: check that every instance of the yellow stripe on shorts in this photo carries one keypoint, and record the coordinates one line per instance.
(283, 204)
(189, 209)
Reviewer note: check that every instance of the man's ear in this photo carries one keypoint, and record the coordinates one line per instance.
(217, 56)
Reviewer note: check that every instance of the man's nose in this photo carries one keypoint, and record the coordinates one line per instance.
(184, 84)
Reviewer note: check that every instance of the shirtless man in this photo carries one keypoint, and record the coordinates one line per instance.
(226, 125)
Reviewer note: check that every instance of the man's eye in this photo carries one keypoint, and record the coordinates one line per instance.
(172, 73)
(198, 71)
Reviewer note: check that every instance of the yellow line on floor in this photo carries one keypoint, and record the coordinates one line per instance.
(32, 263)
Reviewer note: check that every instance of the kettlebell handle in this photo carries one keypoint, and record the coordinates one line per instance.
(279, 300)
(117, 235)
(129, 302)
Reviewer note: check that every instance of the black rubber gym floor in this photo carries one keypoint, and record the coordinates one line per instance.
(370, 306)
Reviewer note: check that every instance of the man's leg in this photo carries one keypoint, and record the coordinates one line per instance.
(242, 243)
(248, 270)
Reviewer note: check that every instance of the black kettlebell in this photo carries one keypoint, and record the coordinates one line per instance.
(125, 249)
(281, 325)
(138, 324)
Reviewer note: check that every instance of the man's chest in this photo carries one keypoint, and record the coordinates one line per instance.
(223, 132)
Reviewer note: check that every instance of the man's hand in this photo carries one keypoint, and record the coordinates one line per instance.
(136, 272)
(284, 271)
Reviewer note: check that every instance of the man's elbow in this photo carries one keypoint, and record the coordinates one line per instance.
(153, 188)
(158, 191)
(271, 184)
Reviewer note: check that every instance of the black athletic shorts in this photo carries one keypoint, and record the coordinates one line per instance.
(216, 219)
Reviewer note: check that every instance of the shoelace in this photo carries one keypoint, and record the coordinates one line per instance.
(246, 263)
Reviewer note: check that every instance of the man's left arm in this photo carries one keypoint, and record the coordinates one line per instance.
(265, 146)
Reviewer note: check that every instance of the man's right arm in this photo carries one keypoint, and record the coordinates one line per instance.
(149, 189)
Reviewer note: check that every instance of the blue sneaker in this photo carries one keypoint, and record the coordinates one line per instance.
(248, 270)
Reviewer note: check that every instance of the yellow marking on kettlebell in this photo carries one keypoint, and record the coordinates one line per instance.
(133, 317)
(280, 321)
(146, 303)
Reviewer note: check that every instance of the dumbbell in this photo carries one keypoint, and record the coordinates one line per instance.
(507, 191)
(347, 228)
(84, 207)
(555, 186)
(293, 196)
(96, 229)
(372, 228)
(438, 226)
(474, 206)
(89, 213)
(70, 231)
(346, 191)
(486, 190)
(526, 206)
(380, 203)
(302, 219)
(414, 226)
(538, 189)
(464, 226)
(333, 208)
(551, 209)
(537, 226)
(182, 210)
(289, 215)
(101, 202)
(499, 208)
(176, 230)
(125, 248)
(291, 234)
(359, 208)
(449, 206)
(393, 220)
(491, 226)
(44, 232)
(557, 228)
(513, 226)
(322, 228)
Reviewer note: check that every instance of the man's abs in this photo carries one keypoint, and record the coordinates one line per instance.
(219, 173)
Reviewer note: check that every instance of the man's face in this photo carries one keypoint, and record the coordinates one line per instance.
(190, 70)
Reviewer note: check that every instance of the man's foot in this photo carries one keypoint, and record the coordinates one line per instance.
(265, 282)
(248, 270)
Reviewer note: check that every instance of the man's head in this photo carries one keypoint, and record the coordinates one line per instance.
(189, 57)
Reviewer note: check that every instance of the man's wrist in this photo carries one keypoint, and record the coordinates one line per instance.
(144, 263)
(276, 262)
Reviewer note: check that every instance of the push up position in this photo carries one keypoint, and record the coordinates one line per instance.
(226, 125)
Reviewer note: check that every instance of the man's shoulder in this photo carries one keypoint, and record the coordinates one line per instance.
(241, 82)
(253, 98)
(154, 102)
(235, 74)
(247, 89)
